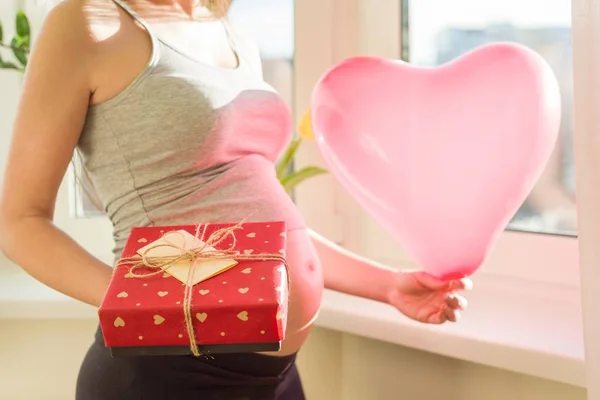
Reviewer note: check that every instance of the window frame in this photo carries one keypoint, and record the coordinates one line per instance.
(543, 265)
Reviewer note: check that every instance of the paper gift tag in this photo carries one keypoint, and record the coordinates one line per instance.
(204, 268)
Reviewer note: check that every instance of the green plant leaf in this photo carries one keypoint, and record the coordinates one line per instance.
(18, 49)
(23, 28)
(297, 177)
(8, 65)
(19, 42)
(1, 32)
(286, 160)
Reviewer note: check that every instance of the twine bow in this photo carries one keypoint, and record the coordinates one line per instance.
(191, 256)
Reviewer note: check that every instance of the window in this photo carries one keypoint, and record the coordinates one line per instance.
(540, 245)
(436, 37)
(258, 19)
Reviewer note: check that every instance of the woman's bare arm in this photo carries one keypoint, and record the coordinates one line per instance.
(50, 117)
(349, 273)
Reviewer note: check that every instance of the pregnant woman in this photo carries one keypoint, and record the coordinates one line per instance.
(175, 125)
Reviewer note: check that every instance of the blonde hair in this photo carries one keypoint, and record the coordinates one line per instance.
(218, 8)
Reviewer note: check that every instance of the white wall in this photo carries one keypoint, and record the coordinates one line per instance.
(39, 359)
(375, 370)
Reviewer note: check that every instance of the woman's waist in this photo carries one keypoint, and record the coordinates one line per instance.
(225, 200)
(158, 188)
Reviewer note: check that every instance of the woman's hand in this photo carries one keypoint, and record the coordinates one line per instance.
(417, 295)
(427, 299)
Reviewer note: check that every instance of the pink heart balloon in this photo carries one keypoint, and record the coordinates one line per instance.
(441, 157)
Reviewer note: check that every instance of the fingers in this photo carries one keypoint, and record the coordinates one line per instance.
(429, 281)
(452, 309)
(461, 284)
(434, 283)
(456, 302)
(446, 314)
(451, 315)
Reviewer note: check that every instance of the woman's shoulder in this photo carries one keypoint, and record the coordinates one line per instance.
(80, 29)
(89, 18)
(64, 30)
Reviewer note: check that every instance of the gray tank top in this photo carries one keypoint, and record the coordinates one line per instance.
(187, 143)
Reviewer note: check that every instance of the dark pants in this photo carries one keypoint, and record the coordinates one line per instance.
(218, 377)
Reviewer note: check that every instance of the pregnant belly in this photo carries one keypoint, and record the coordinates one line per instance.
(306, 288)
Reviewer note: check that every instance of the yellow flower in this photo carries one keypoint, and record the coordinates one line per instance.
(305, 126)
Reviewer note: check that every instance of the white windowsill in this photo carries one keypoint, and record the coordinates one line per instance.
(513, 330)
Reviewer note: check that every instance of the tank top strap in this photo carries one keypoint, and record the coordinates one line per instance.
(153, 36)
(239, 46)
(128, 10)
(230, 34)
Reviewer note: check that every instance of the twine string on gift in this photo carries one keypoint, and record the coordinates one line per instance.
(208, 250)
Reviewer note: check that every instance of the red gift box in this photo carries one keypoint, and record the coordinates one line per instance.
(242, 309)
